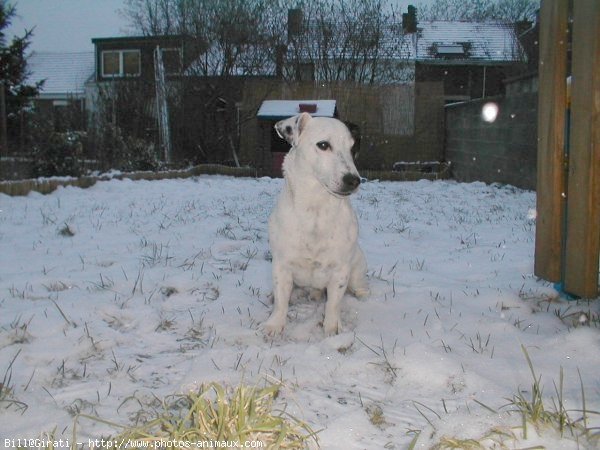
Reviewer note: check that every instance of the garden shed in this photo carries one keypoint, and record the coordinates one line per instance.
(272, 148)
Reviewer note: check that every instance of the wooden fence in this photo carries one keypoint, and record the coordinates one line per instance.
(567, 245)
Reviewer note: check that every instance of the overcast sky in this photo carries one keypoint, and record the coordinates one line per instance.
(69, 25)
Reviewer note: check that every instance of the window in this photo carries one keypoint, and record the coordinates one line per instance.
(131, 63)
(450, 51)
(121, 63)
(171, 58)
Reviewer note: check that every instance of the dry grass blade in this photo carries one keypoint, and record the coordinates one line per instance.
(6, 392)
(448, 443)
(217, 413)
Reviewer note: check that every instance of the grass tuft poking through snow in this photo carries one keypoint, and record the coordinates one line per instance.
(215, 413)
(534, 410)
(537, 419)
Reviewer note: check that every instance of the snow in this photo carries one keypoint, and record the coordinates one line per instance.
(64, 74)
(485, 41)
(129, 291)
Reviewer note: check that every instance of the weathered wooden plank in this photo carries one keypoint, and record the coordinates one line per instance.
(583, 206)
(551, 136)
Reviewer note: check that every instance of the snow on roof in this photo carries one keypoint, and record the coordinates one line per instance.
(282, 109)
(65, 73)
(483, 41)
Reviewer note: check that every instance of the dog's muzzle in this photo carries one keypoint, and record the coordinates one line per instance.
(350, 183)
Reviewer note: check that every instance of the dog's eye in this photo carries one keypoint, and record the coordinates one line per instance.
(323, 145)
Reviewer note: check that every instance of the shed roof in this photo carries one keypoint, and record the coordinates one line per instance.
(65, 74)
(282, 109)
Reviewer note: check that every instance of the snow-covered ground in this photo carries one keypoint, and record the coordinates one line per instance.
(125, 292)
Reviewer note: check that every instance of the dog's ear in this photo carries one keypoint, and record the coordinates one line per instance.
(355, 132)
(301, 121)
(291, 129)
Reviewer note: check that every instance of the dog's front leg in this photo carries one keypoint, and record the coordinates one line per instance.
(335, 291)
(282, 290)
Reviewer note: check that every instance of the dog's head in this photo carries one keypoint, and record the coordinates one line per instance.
(324, 145)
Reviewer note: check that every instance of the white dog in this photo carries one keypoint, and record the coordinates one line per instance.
(313, 229)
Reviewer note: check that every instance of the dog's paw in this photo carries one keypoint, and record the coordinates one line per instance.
(361, 293)
(272, 326)
(331, 327)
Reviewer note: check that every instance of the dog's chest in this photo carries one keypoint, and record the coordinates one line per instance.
(314, 242)
(320, 229)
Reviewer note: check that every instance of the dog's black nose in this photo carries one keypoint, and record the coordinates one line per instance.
(351, 182)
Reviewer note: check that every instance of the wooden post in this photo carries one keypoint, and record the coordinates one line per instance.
(552, 103)
(583, 206)
(162, 108)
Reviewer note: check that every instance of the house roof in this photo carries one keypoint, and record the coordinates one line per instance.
(480, 42)
(65, 74)
(137, 39)
(435, 42)
(282, 109)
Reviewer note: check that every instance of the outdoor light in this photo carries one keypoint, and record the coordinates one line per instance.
(489, 112)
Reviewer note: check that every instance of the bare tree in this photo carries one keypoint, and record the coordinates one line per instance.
(516, 10)
(238, 37)
(349, 40)
(356, 40)
(509, 11)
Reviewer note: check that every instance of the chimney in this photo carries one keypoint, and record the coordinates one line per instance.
(409, 20)
(294, 23)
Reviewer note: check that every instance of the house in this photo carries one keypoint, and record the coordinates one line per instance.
(65, 77)
(471, 59)
(75, 78)
(134, 78)
(133, 57)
